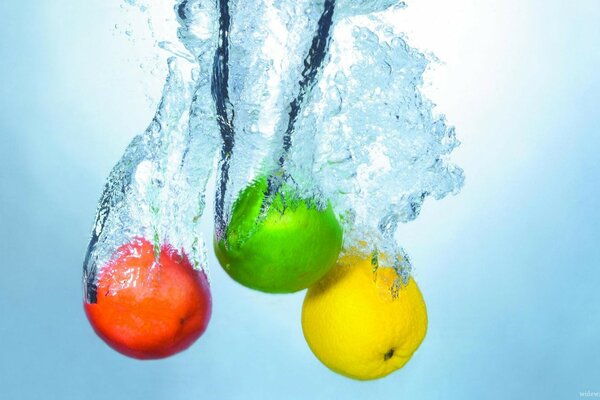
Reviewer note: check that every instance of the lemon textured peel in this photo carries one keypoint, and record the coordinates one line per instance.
(356, 327)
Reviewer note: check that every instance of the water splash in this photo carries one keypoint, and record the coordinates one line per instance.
(381, 150)
(157, 189)
(321, 94)
(267, 61)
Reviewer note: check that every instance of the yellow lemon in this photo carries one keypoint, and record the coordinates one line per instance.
(355, 325)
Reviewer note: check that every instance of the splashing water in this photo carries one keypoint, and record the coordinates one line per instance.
(157, 189)
(321, 94)
(380, 149)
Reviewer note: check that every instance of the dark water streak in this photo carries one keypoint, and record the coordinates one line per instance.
(312, 65)
(225, 112)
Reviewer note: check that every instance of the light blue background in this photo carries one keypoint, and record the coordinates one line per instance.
(509, 268)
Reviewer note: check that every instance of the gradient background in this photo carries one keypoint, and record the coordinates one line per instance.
(510, 268)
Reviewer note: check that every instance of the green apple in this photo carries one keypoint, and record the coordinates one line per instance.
(283, 249)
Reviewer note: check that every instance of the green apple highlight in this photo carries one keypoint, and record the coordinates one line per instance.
(288, 248)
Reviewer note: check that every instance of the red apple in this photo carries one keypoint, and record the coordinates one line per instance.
(149, 308)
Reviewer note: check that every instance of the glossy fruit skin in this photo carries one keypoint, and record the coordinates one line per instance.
(147, 309)
(289, 249)
(356, 326)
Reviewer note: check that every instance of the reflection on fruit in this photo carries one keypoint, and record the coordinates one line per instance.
(290, 247)
(148, 308)
(355, 325)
